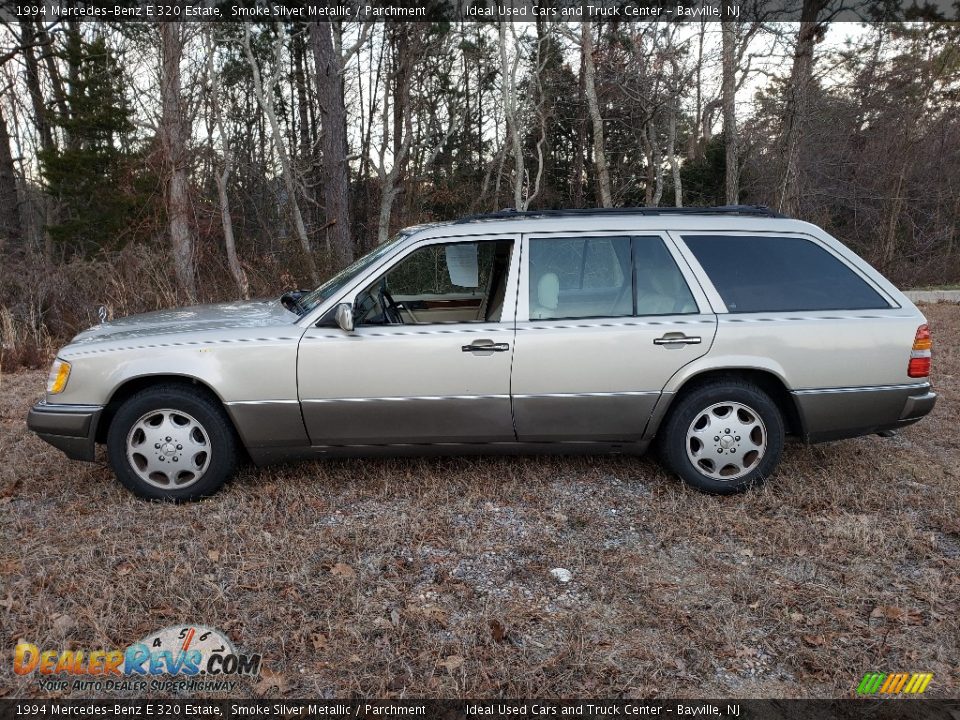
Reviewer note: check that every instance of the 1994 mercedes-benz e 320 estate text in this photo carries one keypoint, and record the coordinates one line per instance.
(713, 332)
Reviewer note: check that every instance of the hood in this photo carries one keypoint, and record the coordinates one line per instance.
(199, 318)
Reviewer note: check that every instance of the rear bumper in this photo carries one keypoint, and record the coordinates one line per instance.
(837, 413)
(70, 428)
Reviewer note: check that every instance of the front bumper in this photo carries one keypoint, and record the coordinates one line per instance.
(70, 428)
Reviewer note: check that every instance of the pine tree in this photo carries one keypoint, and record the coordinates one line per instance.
(89, 175)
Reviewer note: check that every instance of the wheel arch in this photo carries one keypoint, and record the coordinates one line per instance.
(766, 379)
(131, 386)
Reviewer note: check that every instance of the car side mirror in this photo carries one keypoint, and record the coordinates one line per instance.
(344, 316)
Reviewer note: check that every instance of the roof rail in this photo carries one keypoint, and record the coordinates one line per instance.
(512, 214)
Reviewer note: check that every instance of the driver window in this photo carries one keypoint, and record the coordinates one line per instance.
(443, 283)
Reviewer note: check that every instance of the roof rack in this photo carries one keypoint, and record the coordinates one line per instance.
(512, 214)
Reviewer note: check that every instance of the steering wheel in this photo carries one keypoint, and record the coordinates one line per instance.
(391, 310)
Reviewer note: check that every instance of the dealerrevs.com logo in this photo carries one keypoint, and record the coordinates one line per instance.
(205, 658)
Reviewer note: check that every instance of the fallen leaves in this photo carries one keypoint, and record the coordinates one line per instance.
(319, 641)
(497, 631)
(342, 570)
(909, 616)
(271, 683)
(63, 623)
(10, 489)
(451, 663)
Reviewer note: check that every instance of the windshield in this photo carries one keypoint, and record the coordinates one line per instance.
(309, 301)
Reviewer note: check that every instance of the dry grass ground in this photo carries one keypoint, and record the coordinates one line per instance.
(405, 578)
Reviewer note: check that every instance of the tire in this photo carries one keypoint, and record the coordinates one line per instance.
(723, 437)
(172, 443)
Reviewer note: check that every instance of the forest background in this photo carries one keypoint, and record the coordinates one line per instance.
(149, 165)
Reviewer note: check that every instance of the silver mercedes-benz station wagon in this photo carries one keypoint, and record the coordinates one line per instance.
(713, 332)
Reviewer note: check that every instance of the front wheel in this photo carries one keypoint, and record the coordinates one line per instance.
(168, 443)
(723, 437)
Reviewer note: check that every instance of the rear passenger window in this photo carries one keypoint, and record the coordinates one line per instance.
(580, 277)
(661, 289)
(780, 274)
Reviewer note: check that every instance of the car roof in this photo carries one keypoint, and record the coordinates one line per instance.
(615, 220)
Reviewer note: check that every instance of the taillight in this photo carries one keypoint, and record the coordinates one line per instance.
(920, 354)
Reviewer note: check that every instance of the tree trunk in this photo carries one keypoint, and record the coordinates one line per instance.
(672, 154)
(40, 115)
(221, 177)
(796, 105)
(42, 123)
(401, 148)
(547, 60)
(336, 175)
(732, 175)
(590, 86)
(651, 172)
(509, 92)
(657, 162)
(693, 139)
(576, 187)
(265, 93)
(11, 228)
(173, 138)
(304, 140)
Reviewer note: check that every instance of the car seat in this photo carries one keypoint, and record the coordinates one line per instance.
(548, 297)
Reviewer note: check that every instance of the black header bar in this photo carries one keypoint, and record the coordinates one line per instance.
(175, 709)
(465, 10)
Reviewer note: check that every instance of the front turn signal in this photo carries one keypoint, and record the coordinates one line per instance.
(59, 374)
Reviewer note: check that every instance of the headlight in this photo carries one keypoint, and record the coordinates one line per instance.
(59, 374)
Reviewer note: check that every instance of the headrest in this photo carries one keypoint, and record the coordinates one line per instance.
(548, 291)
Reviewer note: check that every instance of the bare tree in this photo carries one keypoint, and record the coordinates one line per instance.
(729, 95)
(402, 136)
(796, 105)
(589, 71)
(672, 154)
(216, 126)
(508, 90)
(11, 228)
(173, 136)
(404, 143)
(32, 36)
(265, 89)
(330, 63)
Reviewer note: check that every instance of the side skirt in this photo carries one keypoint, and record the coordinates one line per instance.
(268, 455)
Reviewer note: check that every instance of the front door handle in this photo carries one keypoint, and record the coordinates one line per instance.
(485, 346)
(678, 339)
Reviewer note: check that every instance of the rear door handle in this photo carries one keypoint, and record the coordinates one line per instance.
(486, 346)
(677, 339)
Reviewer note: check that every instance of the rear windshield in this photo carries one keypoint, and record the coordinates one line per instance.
(755, 273)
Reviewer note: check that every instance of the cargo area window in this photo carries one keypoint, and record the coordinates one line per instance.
(756, 273)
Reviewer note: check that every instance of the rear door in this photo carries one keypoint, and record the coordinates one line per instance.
(603, 321)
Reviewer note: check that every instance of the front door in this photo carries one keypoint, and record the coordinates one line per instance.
(605, 321)
(429, 358)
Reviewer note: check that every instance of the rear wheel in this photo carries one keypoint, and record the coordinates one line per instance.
(723, 437)
(171, 443)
